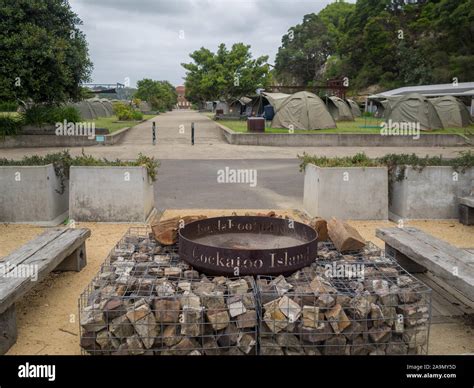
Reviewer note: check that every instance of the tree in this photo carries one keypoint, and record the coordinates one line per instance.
(161, 95)
(225, 74)
(388, 43)
(304, 51)
(307, 47)
(44, 54)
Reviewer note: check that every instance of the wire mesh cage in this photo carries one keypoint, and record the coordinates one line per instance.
(146, 300)
(335, 308)
(178, 312)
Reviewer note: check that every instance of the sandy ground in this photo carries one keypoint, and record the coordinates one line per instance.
(47, 316)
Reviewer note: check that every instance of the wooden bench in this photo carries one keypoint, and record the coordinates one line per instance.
(466, 210)
(56, 249)
(417, 251)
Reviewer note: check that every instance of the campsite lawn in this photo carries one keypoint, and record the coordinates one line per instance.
(360, 125)
(113, 125)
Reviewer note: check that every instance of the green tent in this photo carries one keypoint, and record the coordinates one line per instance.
(413, 108)
(451, 111)
(354, 107)
(302, 110)
(338, 109)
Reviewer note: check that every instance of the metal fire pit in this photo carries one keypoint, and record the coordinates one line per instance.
(241, 245)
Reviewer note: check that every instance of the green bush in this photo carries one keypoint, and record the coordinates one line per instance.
(42, 114)
(137, 115)
(10, 126)
(125, 112)
(8, 106)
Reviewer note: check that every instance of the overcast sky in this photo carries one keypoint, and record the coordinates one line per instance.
(151, 38)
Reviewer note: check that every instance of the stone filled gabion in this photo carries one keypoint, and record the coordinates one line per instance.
(354, 304)
(145, 300)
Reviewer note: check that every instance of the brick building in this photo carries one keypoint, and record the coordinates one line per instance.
(182, 102)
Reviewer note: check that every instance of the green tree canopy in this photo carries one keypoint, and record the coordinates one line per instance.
(225, 74)
(44, 54)
(161, 95)
(386, 42)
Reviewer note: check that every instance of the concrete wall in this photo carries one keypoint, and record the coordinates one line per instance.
(103, 194)
(32, 141)
(28, 195)
(340, 140)
(431, 193)
(351, 193)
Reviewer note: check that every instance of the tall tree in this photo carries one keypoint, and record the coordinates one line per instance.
(304, 50)
(44, 54)
(161, 95)
(226, 74)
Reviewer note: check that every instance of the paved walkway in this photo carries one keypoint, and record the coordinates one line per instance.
(209, 144)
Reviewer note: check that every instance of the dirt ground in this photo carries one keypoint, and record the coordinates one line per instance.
(47, 316)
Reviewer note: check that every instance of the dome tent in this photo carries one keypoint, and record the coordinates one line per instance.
(354, 107)
(302, 110)
(85, 110)
(451, 111)
(108, 106)
(98, 107)
(413, 108)
(339, 110)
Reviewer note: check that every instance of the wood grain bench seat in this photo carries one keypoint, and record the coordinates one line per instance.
(54, 250)
(418, 251)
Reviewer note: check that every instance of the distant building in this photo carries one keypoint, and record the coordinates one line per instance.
(182, 102)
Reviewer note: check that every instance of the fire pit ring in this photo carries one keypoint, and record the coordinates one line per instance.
(246, 245)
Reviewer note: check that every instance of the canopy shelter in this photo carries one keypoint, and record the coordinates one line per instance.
(85, 110)
(302, 110)
(338, 109)
(108, 106)
(241, 106)
(98, 107)
(415, 109)
(354, 107)
(451, 111)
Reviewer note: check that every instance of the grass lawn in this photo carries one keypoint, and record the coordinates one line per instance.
(112, 125)
(360, 125)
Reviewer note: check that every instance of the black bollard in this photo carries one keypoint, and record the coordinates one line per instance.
(154, 133)
(192, 133)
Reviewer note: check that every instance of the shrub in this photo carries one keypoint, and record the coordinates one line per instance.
(137, 115)
(10, 126)
(8, 106)
(126, 112)
(44, 114)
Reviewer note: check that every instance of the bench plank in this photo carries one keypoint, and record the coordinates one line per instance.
(33, 246)
(47, 257)
(459, 254)
(467, 201)
(435, 255)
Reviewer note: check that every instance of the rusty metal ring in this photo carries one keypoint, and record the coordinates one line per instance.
(239, 260)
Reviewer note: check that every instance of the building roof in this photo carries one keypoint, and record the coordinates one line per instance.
(462, 89)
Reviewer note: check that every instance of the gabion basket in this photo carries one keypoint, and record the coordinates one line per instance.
(182, 313)
(146, 300)
(316, 311)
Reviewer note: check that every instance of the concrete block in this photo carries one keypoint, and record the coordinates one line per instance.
(110, 194)
(350, 193)
(432, 193)
(32, 194)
